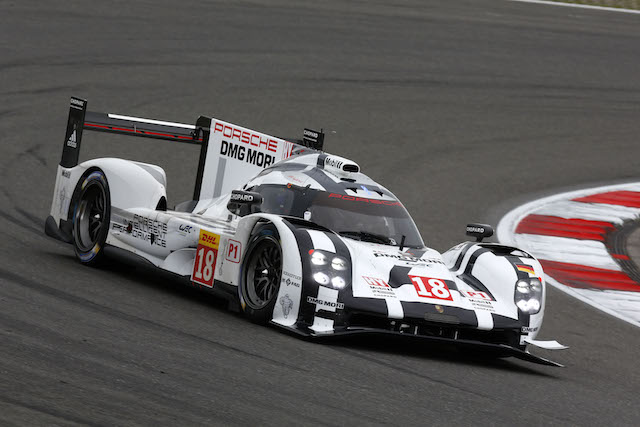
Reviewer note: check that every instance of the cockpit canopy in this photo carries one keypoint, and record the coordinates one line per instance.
(377, 220)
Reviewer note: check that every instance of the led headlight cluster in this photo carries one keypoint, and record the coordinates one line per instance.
(328, 268)
(528, 295)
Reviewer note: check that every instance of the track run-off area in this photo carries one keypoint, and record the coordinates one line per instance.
(581, 239)
(465, 110)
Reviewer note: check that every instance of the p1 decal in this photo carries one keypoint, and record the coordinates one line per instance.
(427, 287)
(234, 251)
(477, 295)
(206, 256)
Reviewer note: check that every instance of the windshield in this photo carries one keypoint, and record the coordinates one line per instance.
(371, 220)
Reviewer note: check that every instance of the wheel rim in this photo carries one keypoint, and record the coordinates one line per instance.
(263, 274)
(90, 217)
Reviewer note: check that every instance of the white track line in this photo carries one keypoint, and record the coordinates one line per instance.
(582, 6)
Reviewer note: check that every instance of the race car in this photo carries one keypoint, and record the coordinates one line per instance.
(294, 237)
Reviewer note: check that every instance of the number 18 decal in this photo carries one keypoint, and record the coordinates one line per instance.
(206, 255)
(431, 288)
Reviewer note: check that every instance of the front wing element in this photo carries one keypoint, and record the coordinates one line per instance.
(503, 349)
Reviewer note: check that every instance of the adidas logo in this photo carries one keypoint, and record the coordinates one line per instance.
(71, 142)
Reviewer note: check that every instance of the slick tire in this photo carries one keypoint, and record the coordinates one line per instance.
(91, 216)
(261, 274)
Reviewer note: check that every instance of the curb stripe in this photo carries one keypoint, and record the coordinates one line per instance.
(555, 226)
(630, 199)
(581, 276)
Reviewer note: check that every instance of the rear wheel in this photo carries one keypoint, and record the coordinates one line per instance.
(91, 217)
(261, 275)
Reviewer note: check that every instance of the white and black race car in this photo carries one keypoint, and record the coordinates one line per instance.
(296, 237)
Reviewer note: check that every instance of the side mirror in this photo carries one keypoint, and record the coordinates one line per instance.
(244, 203)
(479, 231)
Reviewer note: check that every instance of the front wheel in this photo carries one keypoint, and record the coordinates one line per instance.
(91, 217)
(261, 275)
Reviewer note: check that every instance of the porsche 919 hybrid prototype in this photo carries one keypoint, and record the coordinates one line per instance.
(294, 237)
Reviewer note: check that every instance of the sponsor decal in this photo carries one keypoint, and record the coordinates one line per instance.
(290, 282)
(365, 200)
(310, 133)
(76, 103)
(66, 174)
(484, 305)
(295, 179)
(473, 229)
(151, 230)
(62, 199)
(528, 329)
(479, 300)
(246, 154)
(242, 197)
(246, 137)
(477, 295)
(334, 163)
(291, 275)
(429, 287)
(234, 251)
(408, 258)
(205, 260)
(313, 139)
(287, 305)
(209, 239)
(379, 288)
(525, 269)
(185, 229)
(321, 303)
(72, 142)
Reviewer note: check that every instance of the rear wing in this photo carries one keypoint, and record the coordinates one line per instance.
(229, 154)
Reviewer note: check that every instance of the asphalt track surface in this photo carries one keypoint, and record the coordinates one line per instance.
(461, 108)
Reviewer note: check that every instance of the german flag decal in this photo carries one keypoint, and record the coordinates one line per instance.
(526, 269)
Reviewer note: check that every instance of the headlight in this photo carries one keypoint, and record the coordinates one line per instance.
(321, 278)
(328, 268)
(318, 258)
(528, 295)
(339, 264)
(338, 282)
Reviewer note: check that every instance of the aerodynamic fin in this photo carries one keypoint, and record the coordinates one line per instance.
(235, 155)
